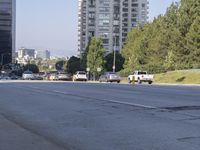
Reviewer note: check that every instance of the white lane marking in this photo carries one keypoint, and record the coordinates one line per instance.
(112, 101)
(105, 100)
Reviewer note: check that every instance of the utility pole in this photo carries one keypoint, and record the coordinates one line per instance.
(114, 60)
(2, 55)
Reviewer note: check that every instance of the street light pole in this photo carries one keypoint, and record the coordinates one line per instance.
(2, 57)
(114, 59)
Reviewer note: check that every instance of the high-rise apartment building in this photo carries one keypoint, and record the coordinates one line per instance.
(43, 54)
(25, 52)
(7, 31)
(109, 19)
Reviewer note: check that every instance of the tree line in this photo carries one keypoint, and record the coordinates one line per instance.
(93, 58)
(170, 42)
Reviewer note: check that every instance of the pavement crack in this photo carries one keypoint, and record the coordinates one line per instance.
(194, 118)
(181, 108)
(188, 138)
(191, 140)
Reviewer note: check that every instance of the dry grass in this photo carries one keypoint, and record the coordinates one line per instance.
(180, 77)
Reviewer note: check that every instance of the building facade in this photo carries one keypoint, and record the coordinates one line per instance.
(109, 19)
(7, 31)
(45, 55)
(25, 55)
(25, 52)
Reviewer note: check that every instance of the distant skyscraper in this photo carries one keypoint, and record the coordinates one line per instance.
(25, 55)
(109, 19)
(43, 54)
(25, 52)
(7, 31)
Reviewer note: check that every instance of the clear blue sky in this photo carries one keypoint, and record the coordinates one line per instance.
(52, 25)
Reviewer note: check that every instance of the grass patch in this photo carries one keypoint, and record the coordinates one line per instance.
(180, 77)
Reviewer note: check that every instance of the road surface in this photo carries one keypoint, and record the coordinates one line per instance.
(90, 116)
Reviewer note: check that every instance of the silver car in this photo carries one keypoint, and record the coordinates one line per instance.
(110, 77)
(64, 76)
(28, 75)
(80, 76)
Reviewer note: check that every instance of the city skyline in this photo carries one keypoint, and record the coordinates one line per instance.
(57, 24)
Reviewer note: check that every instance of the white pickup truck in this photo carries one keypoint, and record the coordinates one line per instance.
(140, 76)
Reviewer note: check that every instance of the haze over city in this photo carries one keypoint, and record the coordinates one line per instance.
(56, 24)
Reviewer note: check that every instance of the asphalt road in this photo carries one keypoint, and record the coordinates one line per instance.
(89, 116)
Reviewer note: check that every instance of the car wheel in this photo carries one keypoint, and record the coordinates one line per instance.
(150, 82)
(73, 79)
(139, 81)
(118, 81)
(129, 81)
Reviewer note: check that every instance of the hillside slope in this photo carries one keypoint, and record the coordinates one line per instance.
(179, 77)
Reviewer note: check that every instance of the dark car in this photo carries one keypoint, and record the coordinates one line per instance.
(14, 77)
(110, 77)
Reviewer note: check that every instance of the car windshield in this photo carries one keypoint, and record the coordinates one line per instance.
(82, 73)
(28, 72)
(41, 73)
(63, 73)
(112, 73)
(53, 72)
(142, 72)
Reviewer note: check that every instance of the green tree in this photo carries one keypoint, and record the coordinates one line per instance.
(170, 42)
(193, 42)
(109, 62)
(189, 10)
(83, 65)
(73, 65)
(95, 56)
(31, 67)
(170, 61)
(60, 65)
(130, 48)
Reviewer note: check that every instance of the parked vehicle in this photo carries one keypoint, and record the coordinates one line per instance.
(110, 77)
(28, 75)
(64, 76)
(14, 77)
(5, 78)
(140, 76)
(38, 77)
(80, 76)
(42, 74)
(53, 77)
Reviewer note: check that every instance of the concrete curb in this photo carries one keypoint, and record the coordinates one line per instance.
(174, 84)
